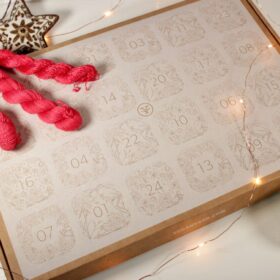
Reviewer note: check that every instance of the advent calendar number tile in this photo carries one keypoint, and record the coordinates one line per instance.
(180, 121)
(97, 53)
(45, 235)
(78, 161)
(101, 211)
(154, 188)
(158, 80)
(203, 64)
(262, 143)
(112, 97)
(131, 141)
(205, 166)
(225, 106)
(243, 46)
(135, 45)
(181, 29)
(267, 85)
(223, 15)
(26, 183)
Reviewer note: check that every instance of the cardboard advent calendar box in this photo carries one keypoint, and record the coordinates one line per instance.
(161, 152)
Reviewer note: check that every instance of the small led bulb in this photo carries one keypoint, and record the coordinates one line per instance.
(270, 46)
(201, 245)
(108, 13)
(258, 181)
(241, 100)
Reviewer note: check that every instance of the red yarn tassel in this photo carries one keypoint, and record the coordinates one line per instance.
(47, 69)
(57, 113)
(9, 138)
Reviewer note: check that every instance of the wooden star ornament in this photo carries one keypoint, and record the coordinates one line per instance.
(23, 32)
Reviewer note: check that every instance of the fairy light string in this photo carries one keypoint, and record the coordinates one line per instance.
(106, 14)
(256, 181)
(12, 273)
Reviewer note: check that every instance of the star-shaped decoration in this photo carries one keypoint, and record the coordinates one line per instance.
(23, 32)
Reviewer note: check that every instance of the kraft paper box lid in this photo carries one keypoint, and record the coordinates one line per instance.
(161, 134)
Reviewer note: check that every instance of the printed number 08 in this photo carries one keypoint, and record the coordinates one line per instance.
(246, 48)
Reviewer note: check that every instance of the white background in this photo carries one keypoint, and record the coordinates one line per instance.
(251, 250)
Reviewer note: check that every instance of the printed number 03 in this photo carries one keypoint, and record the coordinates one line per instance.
(134, 44)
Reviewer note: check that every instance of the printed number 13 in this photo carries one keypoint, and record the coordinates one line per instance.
(206, 165)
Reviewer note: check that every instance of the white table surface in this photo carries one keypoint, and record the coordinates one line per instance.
(271, 11)
(251, 250)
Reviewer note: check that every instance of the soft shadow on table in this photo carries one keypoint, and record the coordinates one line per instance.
(265, 217)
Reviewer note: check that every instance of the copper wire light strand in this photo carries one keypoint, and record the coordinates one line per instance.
(255, 163)
(6, 11)
(12, 273)
(110, 11)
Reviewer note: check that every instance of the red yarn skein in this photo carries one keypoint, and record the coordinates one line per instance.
(47, 69)
(57, 113)
(9, 138)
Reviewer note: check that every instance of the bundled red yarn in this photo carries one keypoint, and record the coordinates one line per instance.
(8, 135)
(57, 113)
(47, 69)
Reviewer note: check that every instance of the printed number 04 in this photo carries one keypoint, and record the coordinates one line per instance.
(76, 163)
